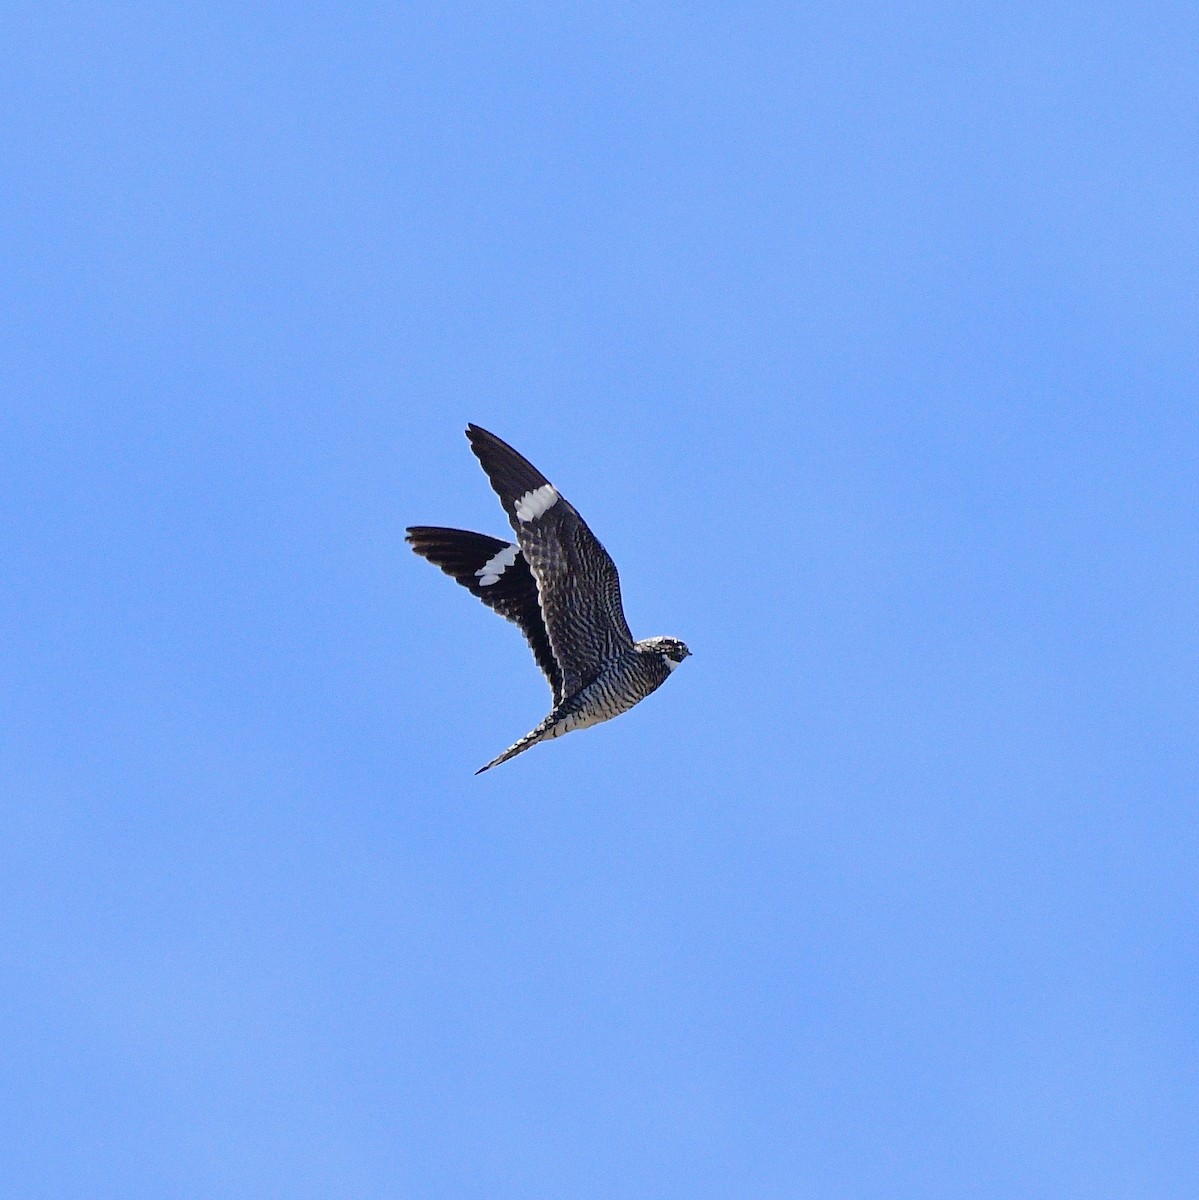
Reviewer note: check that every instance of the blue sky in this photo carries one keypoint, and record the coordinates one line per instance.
(864, 337)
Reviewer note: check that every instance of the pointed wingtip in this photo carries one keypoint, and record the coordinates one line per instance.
(486, 768)
(482, 440)
(477, 436)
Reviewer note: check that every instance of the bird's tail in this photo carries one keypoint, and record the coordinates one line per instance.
(564, 718)
(519, 747)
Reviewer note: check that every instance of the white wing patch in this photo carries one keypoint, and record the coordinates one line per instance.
(536, 503)
(495, 566)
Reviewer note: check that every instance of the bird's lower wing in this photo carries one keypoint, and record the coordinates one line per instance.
(498, 573)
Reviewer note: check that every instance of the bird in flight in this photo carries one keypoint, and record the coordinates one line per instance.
(560, 586)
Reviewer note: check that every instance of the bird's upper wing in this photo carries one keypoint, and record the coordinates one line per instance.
(499, 575)
(578, 587)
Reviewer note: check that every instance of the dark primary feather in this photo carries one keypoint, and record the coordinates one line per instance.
(510, 473)
(578, 585)
(461, 555)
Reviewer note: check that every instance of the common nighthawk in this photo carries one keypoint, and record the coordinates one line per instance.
(560, 586)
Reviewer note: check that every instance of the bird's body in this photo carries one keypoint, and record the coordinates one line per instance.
(560, 586)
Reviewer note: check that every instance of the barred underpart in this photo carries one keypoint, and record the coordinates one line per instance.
(623, 683)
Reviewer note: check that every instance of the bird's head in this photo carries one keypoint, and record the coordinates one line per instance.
(671, 650)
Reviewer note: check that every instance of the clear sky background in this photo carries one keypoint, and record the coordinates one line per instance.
(865, 338)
